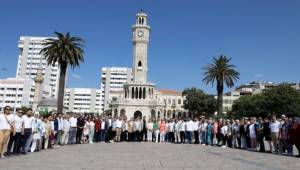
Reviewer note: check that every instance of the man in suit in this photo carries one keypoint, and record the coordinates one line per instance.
(58, 129)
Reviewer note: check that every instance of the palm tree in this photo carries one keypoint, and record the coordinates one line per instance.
(64, 50)
(220, 71)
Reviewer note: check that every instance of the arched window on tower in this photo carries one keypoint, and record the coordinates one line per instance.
(144, 93)
(140, 65)
(136, 93)
(132, 92)
(140, 93)
(125, 90)
(142, 21)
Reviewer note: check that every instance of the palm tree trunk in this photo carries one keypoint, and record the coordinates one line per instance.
(61, 88)
(220, 89)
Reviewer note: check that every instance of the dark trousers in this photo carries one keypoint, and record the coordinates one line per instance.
(97, 136)
(196, 135)
(248, 141)
(182, 137)
(108, 135)
(102, 135)
(79, 135)
(261, 143)
(124, 135)
(137, 137)
(18, 143)
(12, 140)
(224, 139)
(229, 141)
(144, 135)
(219, 137)
(189, 135)
(171, 137)
(24, 138)
(131, 137)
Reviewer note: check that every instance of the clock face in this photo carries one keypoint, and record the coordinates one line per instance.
(140, 33)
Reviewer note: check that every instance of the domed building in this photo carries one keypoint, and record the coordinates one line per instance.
(47, 105)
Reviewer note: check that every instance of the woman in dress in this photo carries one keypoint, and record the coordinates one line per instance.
(86, 131)
(149, 130)
(36, 133)
(91, 130)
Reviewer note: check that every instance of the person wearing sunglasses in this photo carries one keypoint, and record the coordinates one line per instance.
(6, 128)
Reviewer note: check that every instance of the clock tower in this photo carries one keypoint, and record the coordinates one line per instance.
(140, 40)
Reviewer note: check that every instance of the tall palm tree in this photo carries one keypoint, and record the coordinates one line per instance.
(222, 72)
(65, 50)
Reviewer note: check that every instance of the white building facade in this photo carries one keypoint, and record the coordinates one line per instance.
(16, 92)
(112, 81)
(29, 61)
(82, 100)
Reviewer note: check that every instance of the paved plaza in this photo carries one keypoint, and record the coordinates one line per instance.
(147, 156)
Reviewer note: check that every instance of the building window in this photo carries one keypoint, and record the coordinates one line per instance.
(144, 93)
(140, 64)
(132, 93)
(140, 93)
(179, 101)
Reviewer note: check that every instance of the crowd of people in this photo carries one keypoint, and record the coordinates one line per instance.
(22, 133)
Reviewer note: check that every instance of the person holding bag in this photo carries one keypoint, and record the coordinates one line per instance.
(6, 128)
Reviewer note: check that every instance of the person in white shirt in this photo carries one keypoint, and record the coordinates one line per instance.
(203, 132)
(190, 126)
(224, 133)
(252, 133)
(196, 131)
(171, 129)
(27, 126)
(137, 128)
(118, 129)
(66, 130)
(149, 130)
(73, 129)
(274, 127)
(103, 130)
(6, 126)
(15, 140)
(177, 130)
(182, 131)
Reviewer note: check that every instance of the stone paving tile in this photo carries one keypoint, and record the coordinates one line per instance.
(144, 156)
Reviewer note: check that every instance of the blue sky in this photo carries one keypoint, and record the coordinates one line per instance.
(261, 37)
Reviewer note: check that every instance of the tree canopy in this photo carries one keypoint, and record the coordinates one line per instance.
(197, 102)
(282, 99)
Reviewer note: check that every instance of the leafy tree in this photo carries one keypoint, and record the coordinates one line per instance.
(25, 109)
(196, 101)
(222, 72)
(65, 50)
(282, 100)
(278, 100)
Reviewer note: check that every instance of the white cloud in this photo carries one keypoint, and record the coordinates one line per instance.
(258, 75)
(76, 76)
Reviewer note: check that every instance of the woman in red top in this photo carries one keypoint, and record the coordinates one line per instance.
(162, 131)
(97, 129)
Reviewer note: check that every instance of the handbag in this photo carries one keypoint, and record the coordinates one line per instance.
(12, 128)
